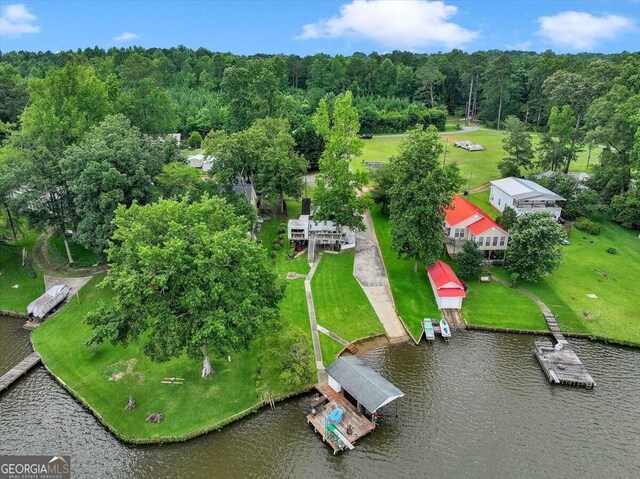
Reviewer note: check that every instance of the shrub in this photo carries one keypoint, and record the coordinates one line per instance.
(514, 279)
(588, 226)
(612, 250)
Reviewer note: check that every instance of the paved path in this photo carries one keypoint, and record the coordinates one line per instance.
(317, 351)
(333, 335)
(370, 272)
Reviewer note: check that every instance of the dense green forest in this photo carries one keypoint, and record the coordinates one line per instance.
(79, 126)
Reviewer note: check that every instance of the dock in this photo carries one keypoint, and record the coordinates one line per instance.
(343, 435)
(559, 362)
(17, 371)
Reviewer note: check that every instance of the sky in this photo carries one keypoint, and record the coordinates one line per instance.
(333, 27)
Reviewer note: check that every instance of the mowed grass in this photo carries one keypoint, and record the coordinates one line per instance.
(481, 200)
(411, 292)
(478, 166)
(589, 269)
(17, 288)
(107, 375)
(81, 255)
(494, 305)
(340, 303)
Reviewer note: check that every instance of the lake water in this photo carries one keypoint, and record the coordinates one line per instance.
(477, 407)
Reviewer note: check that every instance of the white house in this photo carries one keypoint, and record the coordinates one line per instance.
(307, 232)
(447, 288)
(464, 222)
(524, 196)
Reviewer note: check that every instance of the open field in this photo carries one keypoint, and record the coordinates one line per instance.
(341, 305)
(589, 269)
(482, 166)
(12, 274)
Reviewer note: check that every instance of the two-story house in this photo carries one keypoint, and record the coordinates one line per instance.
(524, 196)
(464, 221)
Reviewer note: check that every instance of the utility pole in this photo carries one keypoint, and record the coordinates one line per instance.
(470, 174)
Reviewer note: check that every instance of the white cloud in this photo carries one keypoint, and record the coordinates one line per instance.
(16, 20)
(581, 30)
(522, 46)
(126, 37)
(408, 24)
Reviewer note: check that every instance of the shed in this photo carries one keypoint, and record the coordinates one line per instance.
(49, 300)
(348, 374)
(447, 288)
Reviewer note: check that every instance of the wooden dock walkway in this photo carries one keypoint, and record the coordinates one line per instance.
(353, 425)
(21, 368)
(559, 362)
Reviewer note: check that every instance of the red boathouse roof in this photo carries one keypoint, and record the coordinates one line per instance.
(445, 280)
(462, 209)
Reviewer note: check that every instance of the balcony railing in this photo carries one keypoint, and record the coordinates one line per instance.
(537, 204)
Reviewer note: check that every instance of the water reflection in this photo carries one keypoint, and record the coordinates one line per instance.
(478, 407)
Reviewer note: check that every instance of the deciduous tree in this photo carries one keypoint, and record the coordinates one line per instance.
(534, 250)
(113, 165)
(422, 188)
(187, 279)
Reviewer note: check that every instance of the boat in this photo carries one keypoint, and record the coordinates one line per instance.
(444, 329)
(429, 334)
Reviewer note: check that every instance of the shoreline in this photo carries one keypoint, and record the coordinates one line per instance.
(375, 341)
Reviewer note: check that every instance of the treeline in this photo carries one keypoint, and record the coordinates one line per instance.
(198, 90)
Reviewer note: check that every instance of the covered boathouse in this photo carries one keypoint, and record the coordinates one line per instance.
(347, 408)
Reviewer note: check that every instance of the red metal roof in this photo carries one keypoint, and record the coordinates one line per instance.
(462, 209)
(445, 280)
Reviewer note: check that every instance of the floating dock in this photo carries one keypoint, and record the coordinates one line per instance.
(559, 362)
(352, 426)
(21, 368)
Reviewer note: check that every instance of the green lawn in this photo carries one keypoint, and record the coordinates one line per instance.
(497, 306)
(411, 292)
(341, 305)
(589, 269)
(481, 200)
(194, 407)
(92, 373)
(481, 166)
(330, 348)
(12, 274)
(81, 255)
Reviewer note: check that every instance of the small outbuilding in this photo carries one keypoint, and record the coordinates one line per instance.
(358, 382)
(447, 288)
(49, 300)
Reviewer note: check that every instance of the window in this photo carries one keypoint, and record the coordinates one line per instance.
(502, 240)
(498, 201)
(459, 233)
(480, 240)
(495, 241)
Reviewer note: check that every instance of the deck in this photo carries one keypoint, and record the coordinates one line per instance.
(18, 370)
(561, 366)
(361, 426)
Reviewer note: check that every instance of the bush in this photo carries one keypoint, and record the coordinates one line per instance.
(612, 250)
(588, 226)
(514, 280)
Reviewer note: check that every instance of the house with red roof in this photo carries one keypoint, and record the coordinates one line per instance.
(447, 288)
(464, 221)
